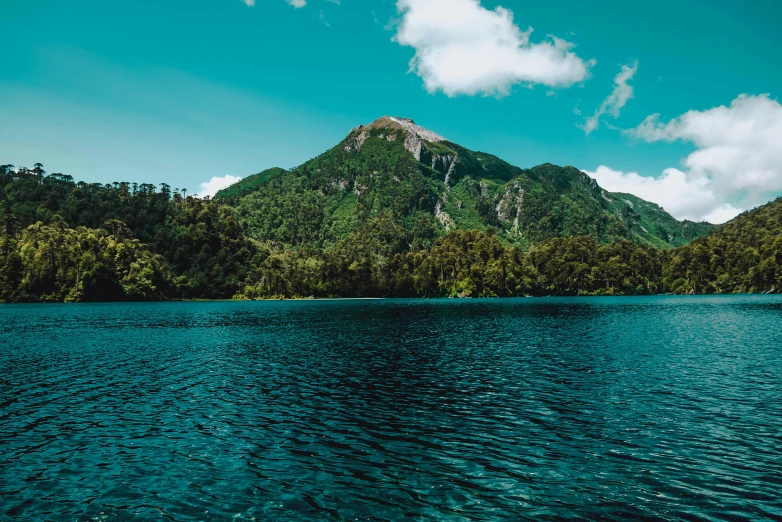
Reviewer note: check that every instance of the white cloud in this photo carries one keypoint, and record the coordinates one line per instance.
(681, 197)
(722, 214)
(738, 147)
(249, 3)
(463, 48)
(211, 187)
(618, 98)
(737, 163)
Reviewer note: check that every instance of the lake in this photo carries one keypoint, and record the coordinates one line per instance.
(665, 408)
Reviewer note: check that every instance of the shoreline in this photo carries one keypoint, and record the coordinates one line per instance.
(321, 299)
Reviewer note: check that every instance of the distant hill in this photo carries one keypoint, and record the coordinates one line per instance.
(657, 223)
(430, 186)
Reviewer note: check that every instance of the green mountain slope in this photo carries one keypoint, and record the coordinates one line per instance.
(743, 256)
(394, 169)
(249, 183)
(656, 222)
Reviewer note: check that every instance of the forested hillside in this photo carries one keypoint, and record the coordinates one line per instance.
(58, 239)
(430, 186)
(743, 256)
(375, 216)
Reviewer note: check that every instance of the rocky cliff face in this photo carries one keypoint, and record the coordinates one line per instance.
(426, 146)
(387, 127)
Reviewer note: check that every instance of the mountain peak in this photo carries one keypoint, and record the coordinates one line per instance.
(395, 122)
(415, 137)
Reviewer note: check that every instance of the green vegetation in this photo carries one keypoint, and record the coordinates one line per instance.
(367, 218)
(55, 263)
(465, 264)
(744, 256)
(127, 241)
(661, 228)
(451, 187)
(249, 183)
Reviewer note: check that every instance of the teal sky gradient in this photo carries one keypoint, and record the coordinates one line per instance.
(180, 91)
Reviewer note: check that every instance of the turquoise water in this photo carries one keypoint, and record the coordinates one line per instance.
(665, 408)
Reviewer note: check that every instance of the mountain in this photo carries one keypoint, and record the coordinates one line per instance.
(392, 210)
(428, 185)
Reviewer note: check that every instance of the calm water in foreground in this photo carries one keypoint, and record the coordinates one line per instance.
(664, 408)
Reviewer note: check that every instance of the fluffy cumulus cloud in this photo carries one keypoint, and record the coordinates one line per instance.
(214, 185)
(681, 197)
(737, 163)
(249, 3)
(463, 48)
(618, 98)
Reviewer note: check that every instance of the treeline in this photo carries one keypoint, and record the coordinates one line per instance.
(743, 256)
(474, 264)
(67, 241)
(199, 249)
(56, 263)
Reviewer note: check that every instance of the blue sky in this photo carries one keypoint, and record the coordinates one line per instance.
(184, 91)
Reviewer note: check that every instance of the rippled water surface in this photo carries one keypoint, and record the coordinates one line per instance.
(665, 408)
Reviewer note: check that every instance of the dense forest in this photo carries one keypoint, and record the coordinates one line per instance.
(67, 241)
(62, 240)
